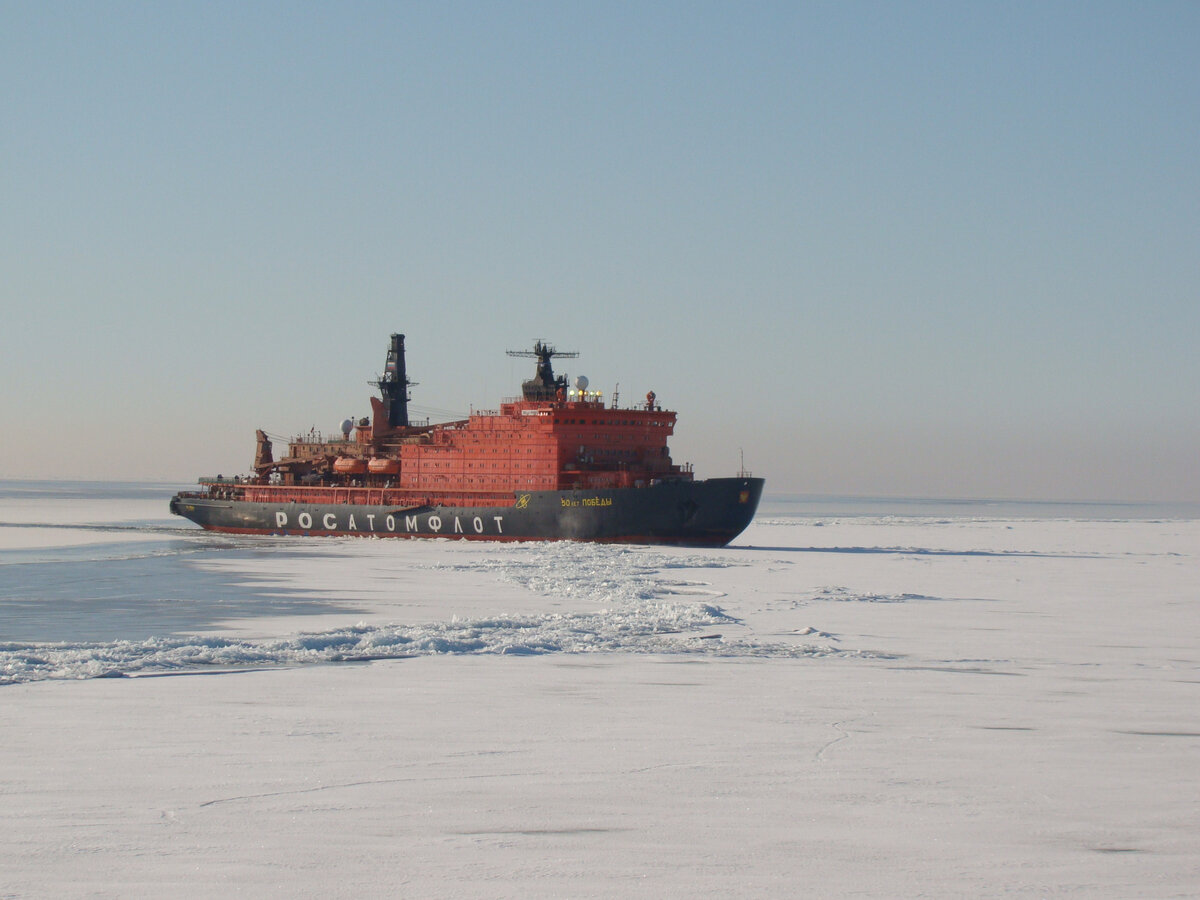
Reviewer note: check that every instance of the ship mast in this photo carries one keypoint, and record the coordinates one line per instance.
(543, 385)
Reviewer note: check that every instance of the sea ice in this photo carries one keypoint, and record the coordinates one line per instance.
(876, 707)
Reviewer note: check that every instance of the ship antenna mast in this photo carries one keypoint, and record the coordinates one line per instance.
(543, 385)
(742, 472)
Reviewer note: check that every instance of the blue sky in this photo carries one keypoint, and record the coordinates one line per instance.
(934, 249)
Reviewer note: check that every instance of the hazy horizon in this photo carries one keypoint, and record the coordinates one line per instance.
(912, 250)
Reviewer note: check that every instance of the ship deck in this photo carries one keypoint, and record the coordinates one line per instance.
(351, 495)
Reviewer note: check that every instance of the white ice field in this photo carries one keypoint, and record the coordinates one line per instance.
(833, 707)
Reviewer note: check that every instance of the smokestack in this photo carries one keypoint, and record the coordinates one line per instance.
(394, 384)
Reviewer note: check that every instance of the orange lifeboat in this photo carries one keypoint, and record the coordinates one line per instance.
(381, 466)
(348, 465)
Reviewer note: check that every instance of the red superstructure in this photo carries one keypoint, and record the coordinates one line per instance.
(553, 438)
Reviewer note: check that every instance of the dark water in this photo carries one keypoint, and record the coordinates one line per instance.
(140, 591)
(129, 570)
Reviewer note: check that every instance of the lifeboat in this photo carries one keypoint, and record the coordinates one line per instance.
(348, 465)
(382, 466)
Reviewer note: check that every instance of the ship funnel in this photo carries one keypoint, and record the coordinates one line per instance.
(394, 384)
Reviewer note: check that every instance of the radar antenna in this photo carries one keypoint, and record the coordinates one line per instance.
(543, 385)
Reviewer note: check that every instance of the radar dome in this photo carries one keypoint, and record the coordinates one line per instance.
(581, 382)
(347, 426)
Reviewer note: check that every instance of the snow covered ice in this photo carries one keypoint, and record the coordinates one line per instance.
(879, 706)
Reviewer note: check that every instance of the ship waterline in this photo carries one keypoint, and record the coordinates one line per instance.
(699, 513)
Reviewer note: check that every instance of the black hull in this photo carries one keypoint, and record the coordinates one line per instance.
(687, 513)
